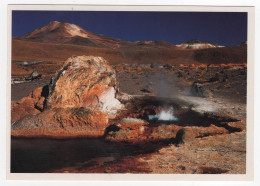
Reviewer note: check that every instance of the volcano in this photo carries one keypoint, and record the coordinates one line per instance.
(62, 32)
(67, 33)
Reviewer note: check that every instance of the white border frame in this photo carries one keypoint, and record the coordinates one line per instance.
(140, 177)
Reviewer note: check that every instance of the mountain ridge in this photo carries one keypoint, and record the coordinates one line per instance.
(63, 32)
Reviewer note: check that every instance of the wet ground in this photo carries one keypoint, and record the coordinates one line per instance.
(47, 155)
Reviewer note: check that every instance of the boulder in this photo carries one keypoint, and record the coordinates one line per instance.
(77, 103)
(30, 105)
(34, 75)
(200, 90)
(85, 81)
(148, 88)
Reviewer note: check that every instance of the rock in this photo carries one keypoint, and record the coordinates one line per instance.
(147, 89)
(134, 130)
(202, 66)
(34, 75)
(127, 130)
(191, 133)
(131, 123)
(193, 66)
(77, 103)
(119, 68)
(154, 65)
(179, 74)
(85, 81)
(215, 78)
(198, 89)
(62, 123)
(30, 105)
(139, 69)
(167, 66)
(123, 97)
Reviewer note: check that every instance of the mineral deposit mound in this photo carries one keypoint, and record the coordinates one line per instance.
(77, 102)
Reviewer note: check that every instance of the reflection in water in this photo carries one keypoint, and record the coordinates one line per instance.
(46, 155)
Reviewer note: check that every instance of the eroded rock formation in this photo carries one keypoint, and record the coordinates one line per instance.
(85, 81)
(77, 103)
(62, 123)
(32, 104)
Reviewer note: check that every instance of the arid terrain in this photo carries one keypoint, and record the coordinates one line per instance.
(154, 106)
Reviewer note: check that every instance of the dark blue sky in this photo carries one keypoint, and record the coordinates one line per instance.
(225, 28)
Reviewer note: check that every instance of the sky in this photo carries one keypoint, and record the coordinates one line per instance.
(224, 28)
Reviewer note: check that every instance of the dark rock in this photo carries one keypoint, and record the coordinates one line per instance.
(167, 66)
(154, 65)
(147, 89)
(198, 89)
(34, 75)
(179, 74)
(213, 79)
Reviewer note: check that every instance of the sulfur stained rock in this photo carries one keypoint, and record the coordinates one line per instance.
(85, 81)
(77, 103)
(30, 105)
(62, 123)
(135, 130)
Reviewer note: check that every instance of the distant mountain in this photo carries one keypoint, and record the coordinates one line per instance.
(197, 44)
(62, 32)
(67, 33)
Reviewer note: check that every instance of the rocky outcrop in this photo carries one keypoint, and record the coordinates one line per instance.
(77, 103)
(30, 105)
(62, 123)
(85, 81)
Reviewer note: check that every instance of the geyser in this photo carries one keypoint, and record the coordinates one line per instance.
(164, 116)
